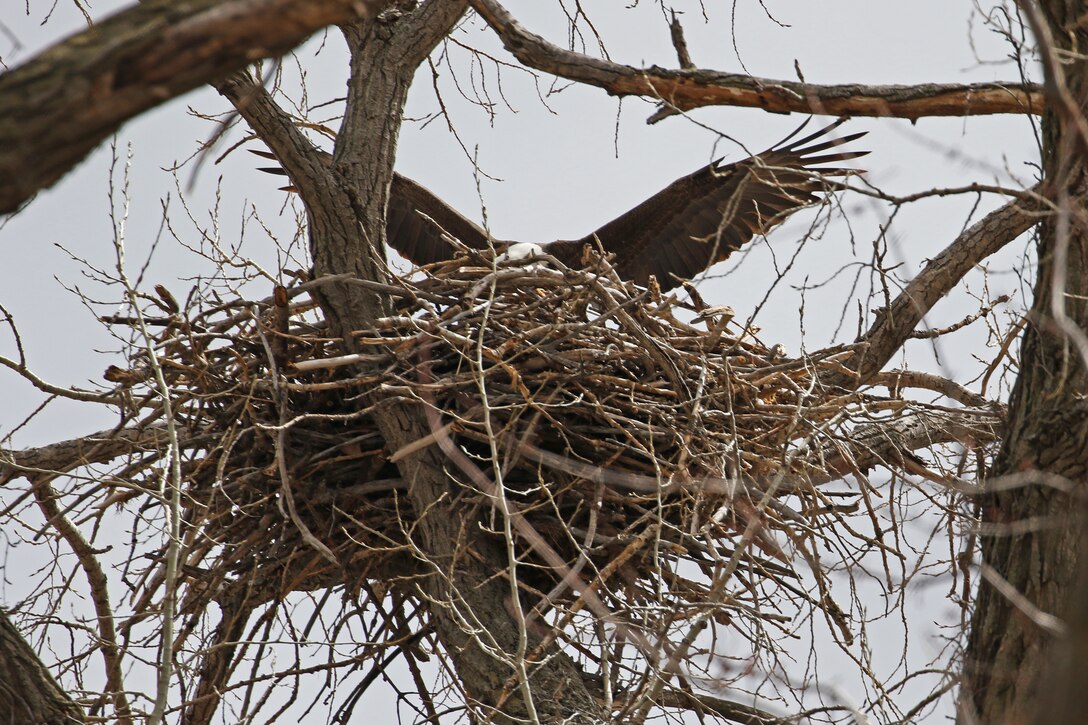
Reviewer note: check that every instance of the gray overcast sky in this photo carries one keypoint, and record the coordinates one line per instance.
(559, 170)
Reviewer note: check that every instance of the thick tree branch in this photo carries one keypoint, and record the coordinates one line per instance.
(889, 444)
(57, 107)
(693, 88)
(305, 164)
(220, 662)
(101, 447)
(106, 633)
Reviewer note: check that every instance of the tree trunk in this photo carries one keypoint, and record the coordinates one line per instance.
(467, 594)
(28, 693)
(1031, 533)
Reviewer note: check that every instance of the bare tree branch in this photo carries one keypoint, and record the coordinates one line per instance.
(306, 165)
(57, 107)
(66, 456)
(693, 88)
(896, 323)
(889, 443)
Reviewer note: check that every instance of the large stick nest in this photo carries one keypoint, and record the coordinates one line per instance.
(641, 447)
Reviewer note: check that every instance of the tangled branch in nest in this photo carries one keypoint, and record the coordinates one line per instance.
(643, 448)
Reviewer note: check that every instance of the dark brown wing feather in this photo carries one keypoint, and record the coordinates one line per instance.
(417, 221)
(701, 219)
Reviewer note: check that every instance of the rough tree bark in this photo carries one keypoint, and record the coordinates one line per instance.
(1032, 534)
(28, 693)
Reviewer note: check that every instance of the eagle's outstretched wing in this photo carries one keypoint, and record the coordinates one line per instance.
(691, 224)
(701, 219)
(417, 224)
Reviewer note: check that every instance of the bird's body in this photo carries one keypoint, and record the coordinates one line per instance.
(690, 225)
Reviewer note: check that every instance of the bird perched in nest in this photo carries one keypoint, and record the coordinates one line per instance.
(682, 230)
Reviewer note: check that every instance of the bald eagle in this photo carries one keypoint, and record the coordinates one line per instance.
(682, 230)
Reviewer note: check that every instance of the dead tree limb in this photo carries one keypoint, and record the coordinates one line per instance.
(683, 90)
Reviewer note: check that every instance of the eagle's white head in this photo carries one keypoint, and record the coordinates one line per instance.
(521, 250)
